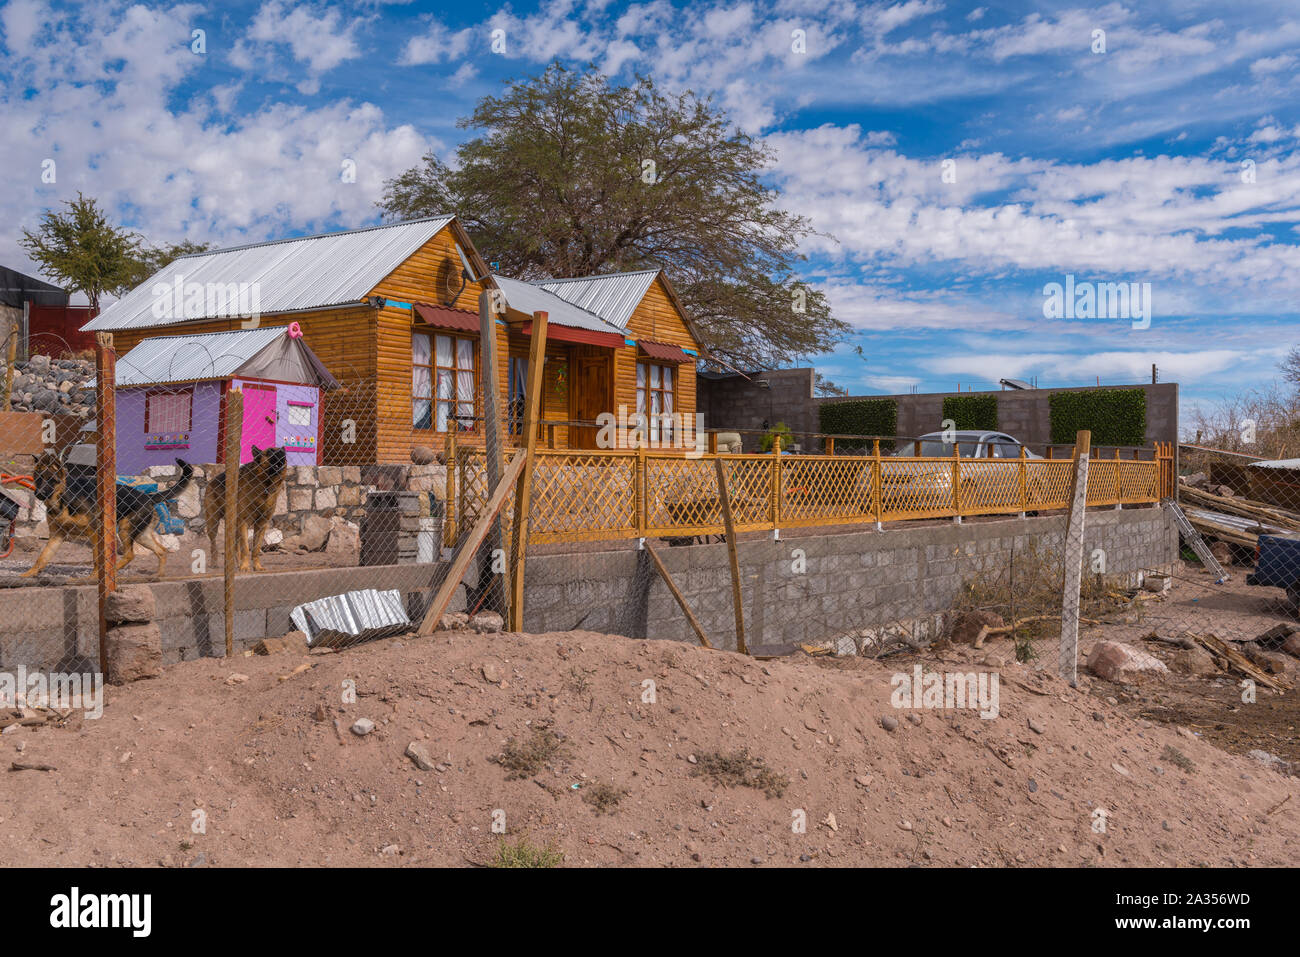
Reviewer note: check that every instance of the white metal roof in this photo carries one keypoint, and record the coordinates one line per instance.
(613, 296)
(1275, 464)
(307, 272)
(214, 355)
(530, 298)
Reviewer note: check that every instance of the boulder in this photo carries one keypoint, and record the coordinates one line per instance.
(134, 652)
(130, 604)
(1123, 663)
(1193, 661)
(423, 455)
(344, 539)
(966, 625)
(315, 531)
(486, 622)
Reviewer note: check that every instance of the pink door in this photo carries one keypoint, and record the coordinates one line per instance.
(259, 421)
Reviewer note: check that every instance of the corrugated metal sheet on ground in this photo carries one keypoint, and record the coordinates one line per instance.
(613, 297)
(308, 272)
(351, 617)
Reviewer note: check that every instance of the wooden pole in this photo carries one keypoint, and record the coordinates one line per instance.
(681, 600)
(724, 497)
(234, 436)
(524, 490)
(449, 513)
(471, 545)
(493, 440)
(1074, 527)
(105, 539)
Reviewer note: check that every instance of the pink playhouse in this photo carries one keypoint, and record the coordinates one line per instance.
(171, 394)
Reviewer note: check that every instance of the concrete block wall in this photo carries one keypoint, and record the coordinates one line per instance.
(852, 581)
(57, 627)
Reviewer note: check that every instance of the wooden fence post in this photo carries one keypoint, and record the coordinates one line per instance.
(493, 439)
(877, 483)
(105, 540)
(524, 491)
(1024, 484)
(956, 483)
(234, 542)
(776, 486)
(738, 605)
(449, 518)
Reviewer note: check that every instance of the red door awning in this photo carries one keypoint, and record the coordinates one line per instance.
(558, 333)
(663, 351)
(444, 317)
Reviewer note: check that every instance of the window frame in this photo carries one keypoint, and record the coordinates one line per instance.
(432, 368)
(657, 430)
(151, 394)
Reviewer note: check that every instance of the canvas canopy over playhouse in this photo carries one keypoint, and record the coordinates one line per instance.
(393, 311)
(171, 394)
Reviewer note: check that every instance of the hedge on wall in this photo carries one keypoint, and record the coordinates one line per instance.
(859, 417)
(972, 411)
(1114, 416)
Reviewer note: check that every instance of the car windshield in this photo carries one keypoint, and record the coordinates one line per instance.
(934, 448)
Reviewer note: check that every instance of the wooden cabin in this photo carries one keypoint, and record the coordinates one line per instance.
(392, 312)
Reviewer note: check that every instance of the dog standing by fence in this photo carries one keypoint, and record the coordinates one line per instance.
(70, 500)
(260, 483)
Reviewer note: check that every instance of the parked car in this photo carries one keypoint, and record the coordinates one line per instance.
(921, 486)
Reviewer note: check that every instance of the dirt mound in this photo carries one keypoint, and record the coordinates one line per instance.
(615, 751)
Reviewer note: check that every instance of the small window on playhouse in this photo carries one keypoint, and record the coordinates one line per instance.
(300, 413)
(168, 411)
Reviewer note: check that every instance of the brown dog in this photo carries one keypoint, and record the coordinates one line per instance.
(69, 496)
(260, 482)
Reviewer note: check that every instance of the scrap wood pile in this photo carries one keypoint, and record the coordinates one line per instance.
(1249, 659)
(1226, 510)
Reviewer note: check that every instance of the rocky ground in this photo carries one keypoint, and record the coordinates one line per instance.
(614, 751)
(57, 386)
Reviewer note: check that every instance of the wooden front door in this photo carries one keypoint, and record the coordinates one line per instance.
(591, 392)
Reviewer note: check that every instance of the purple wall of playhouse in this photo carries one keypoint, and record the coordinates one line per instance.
(137, 450)
(199, 446)
(300, 442)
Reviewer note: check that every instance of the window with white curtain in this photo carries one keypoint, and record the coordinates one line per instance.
(442, 381)
(654, 399)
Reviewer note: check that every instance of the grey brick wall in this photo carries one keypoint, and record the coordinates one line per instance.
(851, 581)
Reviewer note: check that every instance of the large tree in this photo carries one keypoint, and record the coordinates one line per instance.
(573, 175)
(81, 250)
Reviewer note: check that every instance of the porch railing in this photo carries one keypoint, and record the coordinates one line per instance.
(609, 494)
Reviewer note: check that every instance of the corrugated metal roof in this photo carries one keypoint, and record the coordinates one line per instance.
(307, 272)
(1275, 464)
(613, 297)
(529, 298)
(214, 355)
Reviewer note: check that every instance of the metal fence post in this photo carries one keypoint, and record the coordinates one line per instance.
(1068, 666)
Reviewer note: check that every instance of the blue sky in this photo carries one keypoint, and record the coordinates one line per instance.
(1144, 142)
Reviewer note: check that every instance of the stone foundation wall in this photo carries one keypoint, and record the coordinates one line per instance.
(315, 498)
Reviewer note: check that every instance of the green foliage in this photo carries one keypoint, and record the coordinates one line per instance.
(573, 175)
(1114, 416)
(81, 250)
(860, 417)
(150, 259)
(972, 411)
(780, 429)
